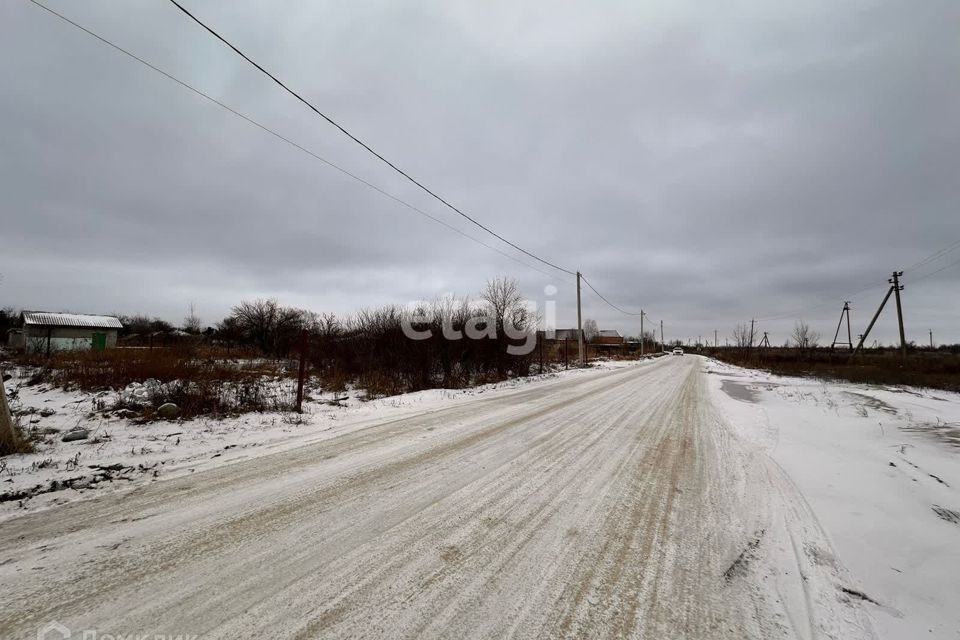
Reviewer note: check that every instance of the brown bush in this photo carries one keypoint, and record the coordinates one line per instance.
(15, 442)
(116, 368)
(937, 370)
(201, 381)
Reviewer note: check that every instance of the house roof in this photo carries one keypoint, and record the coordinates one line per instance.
(610, 333)
(48, 319)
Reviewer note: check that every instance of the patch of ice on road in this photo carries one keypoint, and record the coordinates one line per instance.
(739, 391)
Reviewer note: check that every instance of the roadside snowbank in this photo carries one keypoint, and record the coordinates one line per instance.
(880, 466)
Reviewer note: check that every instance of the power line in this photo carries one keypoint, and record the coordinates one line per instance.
(924, 261)
(285, 139)
(934, 256)
(364, 144)
(316, 156)
(931, 258)
(793, 313)
(600, 295)
(933, 273)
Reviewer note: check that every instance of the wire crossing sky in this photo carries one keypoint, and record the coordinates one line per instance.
(327, 162)
(366, 146)
(707, 164)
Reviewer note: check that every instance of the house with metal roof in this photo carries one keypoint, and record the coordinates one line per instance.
(46, 332)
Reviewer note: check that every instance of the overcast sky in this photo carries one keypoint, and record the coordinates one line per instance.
(747, 159)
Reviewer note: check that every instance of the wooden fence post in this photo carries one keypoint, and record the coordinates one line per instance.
(540, 340)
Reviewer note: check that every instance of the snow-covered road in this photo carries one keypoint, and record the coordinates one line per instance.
(610, 504)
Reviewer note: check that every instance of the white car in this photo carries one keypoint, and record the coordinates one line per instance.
(678, 351)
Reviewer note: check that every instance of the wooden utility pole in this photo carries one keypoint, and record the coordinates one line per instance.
(641, 333)
(897, 288)
(714, 338)
(662, 345)
(751, 332)
(836, 336)
(579, 323)
(642, 313)
(866, 333)
(931, 339)
(302, 370)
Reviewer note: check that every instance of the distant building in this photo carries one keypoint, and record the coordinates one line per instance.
(559, 335)
(45, 332)
(608, 336)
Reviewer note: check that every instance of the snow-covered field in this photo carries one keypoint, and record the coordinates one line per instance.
(880, 467)
(119, 452)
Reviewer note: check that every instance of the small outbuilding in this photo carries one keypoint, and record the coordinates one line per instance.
(46, 332)
(609, 336)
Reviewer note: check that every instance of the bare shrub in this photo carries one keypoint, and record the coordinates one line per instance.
(191, 323)
(590, 330)
(804, 338)
(939, 370)
(372, 349)
(264, 323)
(743, 336)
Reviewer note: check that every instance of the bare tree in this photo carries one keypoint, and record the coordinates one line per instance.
(192, 323)
(503, 298)
(590, 330)
(804, 338)
(743, 336)
(268, 325)
(8, 319)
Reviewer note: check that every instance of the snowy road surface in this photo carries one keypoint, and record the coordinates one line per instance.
(611, 504)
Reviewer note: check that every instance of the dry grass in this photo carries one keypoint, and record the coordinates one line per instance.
(936, 370)
(117, 368)
(18, 443)
(206, 381)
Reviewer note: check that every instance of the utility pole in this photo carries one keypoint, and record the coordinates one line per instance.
(849, 342)
(663, 347)
(931, 339)
(863, 336)
(714, 338)
(751, 332)
(579, 322)
(641, 333)
(897, 288)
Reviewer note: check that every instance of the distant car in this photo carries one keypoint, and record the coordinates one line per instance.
(678, 351)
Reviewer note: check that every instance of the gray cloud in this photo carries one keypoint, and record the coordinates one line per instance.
(709, 165)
